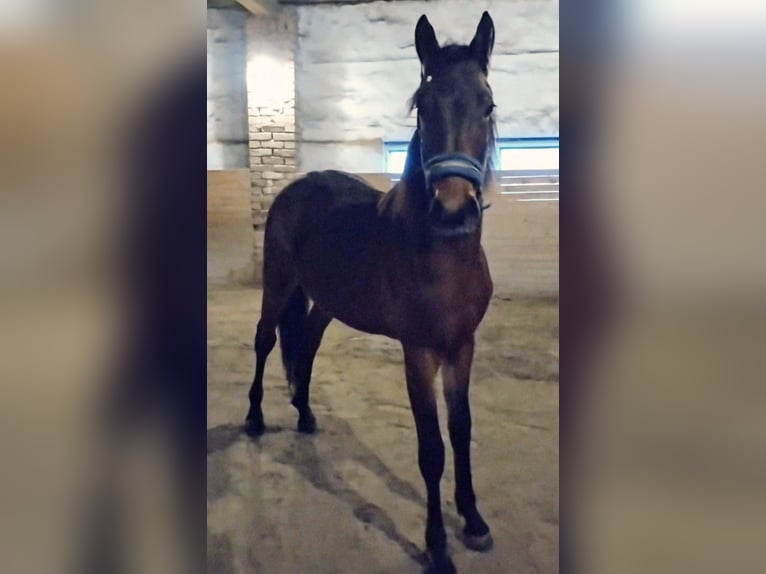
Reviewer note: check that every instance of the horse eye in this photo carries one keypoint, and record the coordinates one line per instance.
(489, 110)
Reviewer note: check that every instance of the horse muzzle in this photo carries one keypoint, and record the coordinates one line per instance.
(454, 210)
(456, 180)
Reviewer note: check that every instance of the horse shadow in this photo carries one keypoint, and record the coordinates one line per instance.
(302, 456)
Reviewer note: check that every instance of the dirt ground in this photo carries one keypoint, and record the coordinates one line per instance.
(350, 498)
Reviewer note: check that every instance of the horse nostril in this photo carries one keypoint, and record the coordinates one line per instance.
(476, 206)
(432, 207)
(440, 216)
(468, 214)
(472, 213)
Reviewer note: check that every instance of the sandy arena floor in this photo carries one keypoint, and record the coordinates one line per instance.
(350, 498)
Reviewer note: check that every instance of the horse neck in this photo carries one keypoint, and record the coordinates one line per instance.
(413, 176)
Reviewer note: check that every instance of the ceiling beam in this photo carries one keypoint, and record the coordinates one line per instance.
(339, 2)
(259, 7)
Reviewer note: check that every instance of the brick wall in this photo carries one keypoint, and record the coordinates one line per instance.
(271, 113)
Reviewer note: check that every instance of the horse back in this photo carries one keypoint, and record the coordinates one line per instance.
(328, 224)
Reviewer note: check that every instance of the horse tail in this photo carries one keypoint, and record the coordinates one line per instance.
(292, 326)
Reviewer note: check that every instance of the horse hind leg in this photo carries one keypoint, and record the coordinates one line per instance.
(315, 326)
(277, 291)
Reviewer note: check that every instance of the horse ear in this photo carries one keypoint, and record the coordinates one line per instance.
(426, 43)
(484, 41)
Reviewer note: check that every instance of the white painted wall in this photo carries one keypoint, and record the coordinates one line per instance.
(356, 67)
(227, 132)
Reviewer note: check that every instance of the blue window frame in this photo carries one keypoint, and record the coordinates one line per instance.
(513, 154)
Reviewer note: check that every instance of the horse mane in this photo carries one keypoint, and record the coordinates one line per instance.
(399, 200)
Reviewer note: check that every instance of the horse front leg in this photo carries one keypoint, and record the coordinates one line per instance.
(456, 373)
(421, 366)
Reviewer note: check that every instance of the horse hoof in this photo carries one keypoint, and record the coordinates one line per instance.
(254, 427)
(441, 566)
(480, 543)
(307, 424)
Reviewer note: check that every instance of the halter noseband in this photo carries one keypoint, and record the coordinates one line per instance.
(454, 165)
(457, 165)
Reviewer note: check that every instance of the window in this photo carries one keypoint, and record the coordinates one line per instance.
(513, 154)
(529, 169)
(395, 157)
(528, 154)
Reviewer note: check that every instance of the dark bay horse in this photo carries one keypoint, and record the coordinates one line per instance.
(407, 264)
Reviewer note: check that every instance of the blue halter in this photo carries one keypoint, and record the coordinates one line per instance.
(454, 165)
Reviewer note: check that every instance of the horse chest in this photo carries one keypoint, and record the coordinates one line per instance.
(443, 313)
(459, 304)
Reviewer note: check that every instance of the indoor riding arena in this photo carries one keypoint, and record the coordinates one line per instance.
(302, 85)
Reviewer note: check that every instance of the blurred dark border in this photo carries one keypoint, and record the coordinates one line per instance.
(170, 246)
(167, 254)
(160, 378)
(587, 288)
